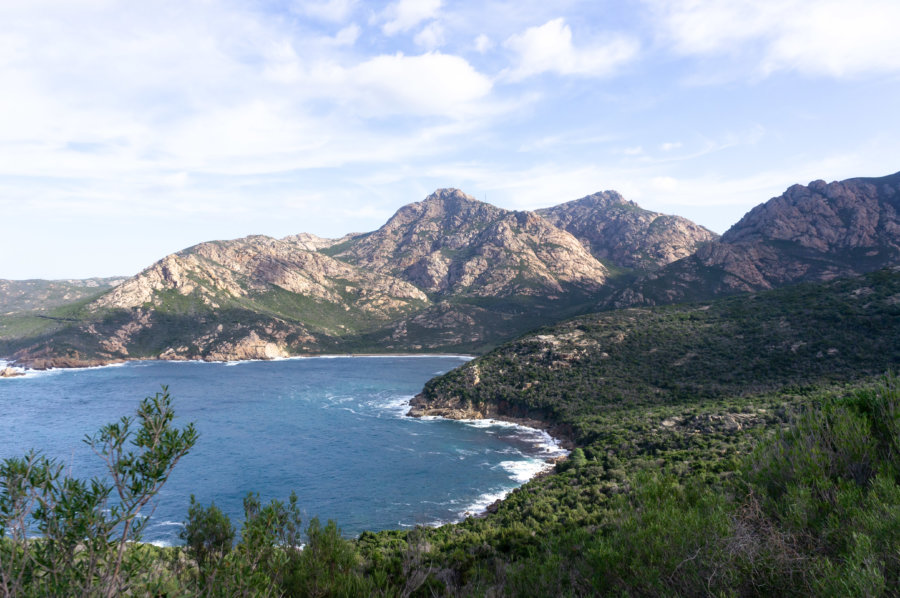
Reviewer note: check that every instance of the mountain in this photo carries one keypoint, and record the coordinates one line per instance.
(740, 438)
(816, 232)
(621, 232)
(239, 272)
(569, 373)
(451, 244)
(24, 295)
(250, 298)
(451, 273)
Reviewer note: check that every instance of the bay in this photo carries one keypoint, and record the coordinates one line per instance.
(331, 429)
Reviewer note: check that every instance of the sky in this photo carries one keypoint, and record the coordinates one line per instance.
(130, 130)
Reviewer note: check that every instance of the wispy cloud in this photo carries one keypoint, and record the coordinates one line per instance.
(327, 10)
(549, 49)
(403, 15)
(819, 37)
(213, 119)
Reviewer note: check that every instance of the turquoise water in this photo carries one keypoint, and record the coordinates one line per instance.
(331, 429)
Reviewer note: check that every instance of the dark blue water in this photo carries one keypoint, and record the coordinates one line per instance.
(333, 430)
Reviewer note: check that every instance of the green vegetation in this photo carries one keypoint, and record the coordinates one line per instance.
(571, 373)
(744, 447)
(43, 295)
(27, 324)
(87, 528)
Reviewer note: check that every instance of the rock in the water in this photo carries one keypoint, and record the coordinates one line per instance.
(10, 373)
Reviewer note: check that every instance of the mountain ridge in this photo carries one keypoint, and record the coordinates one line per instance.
(622, 232)
(819, 231)
(451, 273)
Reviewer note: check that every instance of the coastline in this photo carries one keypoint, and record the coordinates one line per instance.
(555, 443)
(51, 364)
(420, 409)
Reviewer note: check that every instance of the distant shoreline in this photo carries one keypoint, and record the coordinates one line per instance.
(68, 364)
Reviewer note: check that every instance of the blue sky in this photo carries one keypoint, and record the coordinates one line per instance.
(131, 130)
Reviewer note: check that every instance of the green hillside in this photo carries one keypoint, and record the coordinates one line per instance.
(743, 447)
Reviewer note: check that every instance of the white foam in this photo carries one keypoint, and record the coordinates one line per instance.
(522, 471)
(29, 373)
(548, 446)
(397, 406)
(482, 502)
(160, 543)
(379, 356)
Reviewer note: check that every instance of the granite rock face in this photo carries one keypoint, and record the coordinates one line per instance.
(219, 271)
(250, 298)
(451, 244)
(816, 232)
(615, 229)
(446, 273)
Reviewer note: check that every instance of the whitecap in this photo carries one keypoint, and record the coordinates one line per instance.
(482, 502)
(397, 406)
(29, 373)
(522, 471)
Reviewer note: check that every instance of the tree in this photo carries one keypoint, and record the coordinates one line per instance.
(85, 527)
(208, 536)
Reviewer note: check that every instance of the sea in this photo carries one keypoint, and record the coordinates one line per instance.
(333, 430)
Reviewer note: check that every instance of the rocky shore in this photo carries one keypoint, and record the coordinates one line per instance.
(455, 408)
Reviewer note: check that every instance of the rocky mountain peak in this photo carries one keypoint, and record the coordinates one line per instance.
(445, 208)
(620, 231)
(450, 195)
(814, 232)
(451, 243)
(826, 216)
(602, 199)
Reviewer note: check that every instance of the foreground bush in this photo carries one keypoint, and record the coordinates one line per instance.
(804, 500)
(85, 528)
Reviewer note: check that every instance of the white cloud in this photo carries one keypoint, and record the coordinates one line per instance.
(664, 183)
(431, 37)
(347, 36)
(668, 146)
(130, 92)
(483, 43)
(328, 10)
(403, 15)
(549, 48)
(820, 37)
(431, 83)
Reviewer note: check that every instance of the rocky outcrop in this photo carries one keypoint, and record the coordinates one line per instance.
(250, 298)
(311, 242)
(816, 232)
(10, 373)
(454, 407)
(615, 229)
(451, 244)
(219, 273)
